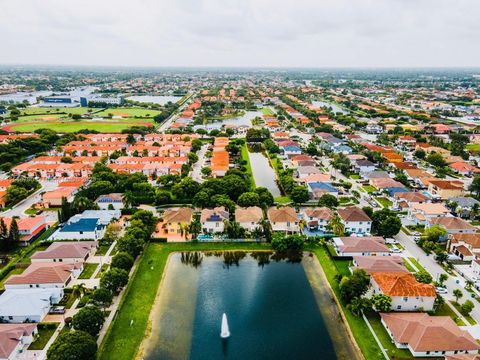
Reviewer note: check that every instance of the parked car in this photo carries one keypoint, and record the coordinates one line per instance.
(395, 249)
(441, 290)
(391, 241)
(57, 310)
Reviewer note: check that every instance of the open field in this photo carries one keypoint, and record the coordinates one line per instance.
(73, 126)
(128, 112)
(266, 111)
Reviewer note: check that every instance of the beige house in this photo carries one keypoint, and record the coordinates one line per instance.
(249, 218)
(283, 219)
(423, 213)
(173, 221)
(445, 189)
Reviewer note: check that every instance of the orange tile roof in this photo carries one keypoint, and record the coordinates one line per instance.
(402, 284)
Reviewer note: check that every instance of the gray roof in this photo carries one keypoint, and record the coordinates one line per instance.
(464, 202)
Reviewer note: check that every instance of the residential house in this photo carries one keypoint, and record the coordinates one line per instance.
(355, 220)
(284, 219)
(363, 166)
(317, 189)
(55, 197)
(453, 224)
(445, 189)
(361, 246)
(429, 336)
(379, 264)
(405, 200)
(469, 241)
(67, 252)
(249, 218)
(173, 222)
(305, 171)
(15, 339)
(406, 292)
(464, 168)
(220, 163)
(422, 213)
(213, 220)
(90, 225)
(113, 201)
(317, 218)
(464, 205)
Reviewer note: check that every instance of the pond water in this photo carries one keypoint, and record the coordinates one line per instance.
(156, 99)
(263, 174)
(244, 120)
(277, 308)
(335, 108)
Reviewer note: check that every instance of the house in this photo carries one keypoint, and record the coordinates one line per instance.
(360, 246)
(67, 252)
(113, 201)
(406, 292)
(249, 218)
(45, 275)
(29, 228)
(464, 205)
(305, 171)
(355, 220)
(55, 197)
(15, 339)
(422, 213)
(445, 189)
(3, 199)
(428, 336)
(405, 200)
(470, 241)
(5, 184)
(379, 264)
(213, 220)
(317, 189)
(173, 222)
(464, 168)
(27, 305)
(317, 218)
(283, 219)
(290, 150)
(453, 224)
(363, 166)
(220, 163)
(90, 225)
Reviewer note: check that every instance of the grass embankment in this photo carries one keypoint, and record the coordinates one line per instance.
(417, 264)
(362, 334)
(130, 325)
(248, 166)
(88, 270)
(384, 202)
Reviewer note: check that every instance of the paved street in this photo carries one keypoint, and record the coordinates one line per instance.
(19, 209)
(166, 124)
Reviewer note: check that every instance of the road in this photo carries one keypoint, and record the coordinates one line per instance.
(166, 124)
(435, 270)
(196, 173)
(19, 209)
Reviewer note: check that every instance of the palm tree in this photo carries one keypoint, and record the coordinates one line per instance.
(468, 284)
(359, 306)
(185, 230)
(457, 293)
(78, 290)
(474, 211)
(301, 225)
(337, 226)
(128, 199)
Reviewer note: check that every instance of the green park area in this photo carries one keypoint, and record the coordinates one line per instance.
(266, 111)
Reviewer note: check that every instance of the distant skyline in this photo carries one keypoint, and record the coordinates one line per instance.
(242, 33)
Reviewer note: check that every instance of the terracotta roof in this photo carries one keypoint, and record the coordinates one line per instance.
(353, 213)
(283, 214)
(423, 332)
(354, 244)
(473, 239)
(10, 335)
(43, 273)
(319, 213)
(380, 263)
(218, 213)
(248, 214)
(181, 215)
(462, 249)
(411, 196)
(452, 223)
(66, 250)
(431, 208)
(402, 284)
(447, 185)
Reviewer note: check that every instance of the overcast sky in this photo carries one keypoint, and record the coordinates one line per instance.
(267, 33)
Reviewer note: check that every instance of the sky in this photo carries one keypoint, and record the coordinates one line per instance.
(241, 33)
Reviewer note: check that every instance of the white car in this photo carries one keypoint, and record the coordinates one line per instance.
(441, 290)
(396, 250)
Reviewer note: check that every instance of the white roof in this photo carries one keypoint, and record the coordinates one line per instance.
(26, 302)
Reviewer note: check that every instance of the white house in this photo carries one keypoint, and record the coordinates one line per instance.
(284, 219)
(249, 218)
(355, 220)
(90, 225)
(213, 220)
(317, 218)
(109, 201)
(22, 305)
(406, 292)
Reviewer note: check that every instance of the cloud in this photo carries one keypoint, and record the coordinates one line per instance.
(302, 33)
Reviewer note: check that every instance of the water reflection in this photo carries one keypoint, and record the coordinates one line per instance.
(194, 258)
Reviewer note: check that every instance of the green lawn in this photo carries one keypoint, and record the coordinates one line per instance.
(417, 264)
(282, 199)
(445, 310)
(248, 166)
(355, 177)
(15, 271)
(384, 202)
(408, 266)
(73, 126)
(266, 111)
(369, 188)
(473, 147)
(88, 270)
(102, 270)
(102, 249)
(128, 330)
(363, 336)
(45, 332)
(467, 317)
(130, 112)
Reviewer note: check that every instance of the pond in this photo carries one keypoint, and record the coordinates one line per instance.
(335, 108)
(263, 174)
(244, 120)
(156, 99)
(277, 308)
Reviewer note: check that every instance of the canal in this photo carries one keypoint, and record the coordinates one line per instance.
(263, 174)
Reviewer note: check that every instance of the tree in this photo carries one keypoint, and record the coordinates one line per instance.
(299, 194)
(336, 225)
(122, 260)
(249, 199)
(382, 303)
(234, 230)
(457, 294)
(386, 223)
(435, 233)
(131, 244)
(466, 308)
(354, 285)
(114, 279)
(111, 234)
(328, 200)
(73, 345)
(195, 228)
(282, 243)
(265, 197)
(89, 319)
(13, 238)
(359, 306)
(16, 194)
(423, 277)
(420, 153)
(475, 186)
(78, 290)
(442, 278)
(436, 159)
(102, 297)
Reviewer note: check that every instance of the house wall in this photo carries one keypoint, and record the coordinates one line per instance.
(116, 205)
(250, 226)
(213, 227)
(358, 227)
(285, 226)
(407, 303)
